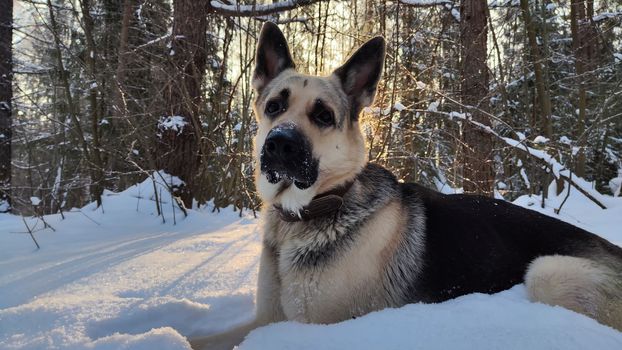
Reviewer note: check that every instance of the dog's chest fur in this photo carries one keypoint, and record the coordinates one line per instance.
(340, 267)
(340, 282)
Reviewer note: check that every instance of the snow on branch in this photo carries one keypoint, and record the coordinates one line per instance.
(154, 41)
(606, 15)
(558, 170)
(447, 4)
(503, 3)
(238, 10)
(276, 20)
(173, 122)
(426, 3)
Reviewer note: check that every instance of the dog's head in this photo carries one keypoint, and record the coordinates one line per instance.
(309, 140)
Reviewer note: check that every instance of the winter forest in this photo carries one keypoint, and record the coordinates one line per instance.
(129, 213)
(500, 97)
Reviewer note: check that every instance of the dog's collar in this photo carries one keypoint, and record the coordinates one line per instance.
(323, 204)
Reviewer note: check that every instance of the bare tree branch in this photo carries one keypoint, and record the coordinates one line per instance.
(238, 10)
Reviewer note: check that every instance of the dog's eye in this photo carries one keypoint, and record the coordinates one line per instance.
(273, 108)
(325, 118)
(321, 115)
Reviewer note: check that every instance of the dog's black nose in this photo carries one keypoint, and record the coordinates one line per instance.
(283, 144)
(287, 154)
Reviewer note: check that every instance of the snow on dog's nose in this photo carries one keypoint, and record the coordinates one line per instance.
(282, 145)
(287, 154)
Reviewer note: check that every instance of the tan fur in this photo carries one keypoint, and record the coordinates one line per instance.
(268, 289)
(388, 252)
(326, 295)
(578, 284)
(227, 340)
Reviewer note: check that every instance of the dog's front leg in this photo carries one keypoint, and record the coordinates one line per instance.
(268, 306)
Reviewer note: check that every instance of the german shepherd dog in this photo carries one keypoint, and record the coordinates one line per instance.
(342, 237)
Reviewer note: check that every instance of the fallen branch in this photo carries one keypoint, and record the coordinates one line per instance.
(30, 232)
(86, 216)
(585, 193)
(558, 210)
(556, 168)
(178, 201)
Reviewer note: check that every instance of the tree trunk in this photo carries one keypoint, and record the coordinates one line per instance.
(120, 106)
(115, 39)
(542, 90)
(178, 148)
(97, 166)
(584, 39)
(71, 106)
(478, 168)
(6, 95)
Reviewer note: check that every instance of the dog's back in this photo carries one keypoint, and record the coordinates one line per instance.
(480, 244)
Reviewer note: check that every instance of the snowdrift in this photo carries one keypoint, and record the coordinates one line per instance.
(122, 277)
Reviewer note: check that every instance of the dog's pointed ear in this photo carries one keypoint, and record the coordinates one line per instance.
(360, 74)
(272, 56)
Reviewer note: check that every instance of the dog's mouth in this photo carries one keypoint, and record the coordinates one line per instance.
(274, 177)
(301, 178)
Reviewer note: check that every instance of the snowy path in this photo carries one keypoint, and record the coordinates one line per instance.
(125, 272)
(34, 280)
(125, 280)
(195, 282)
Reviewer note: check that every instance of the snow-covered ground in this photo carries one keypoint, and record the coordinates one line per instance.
(122, 279)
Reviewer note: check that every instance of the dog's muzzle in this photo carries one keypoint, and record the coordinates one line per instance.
(287, 155)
